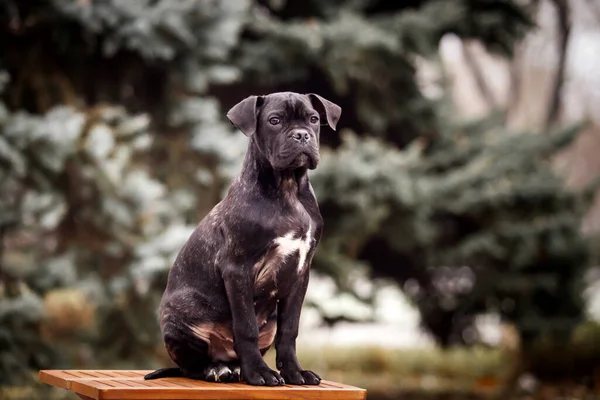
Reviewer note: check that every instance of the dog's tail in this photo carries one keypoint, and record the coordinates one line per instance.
(164, 373)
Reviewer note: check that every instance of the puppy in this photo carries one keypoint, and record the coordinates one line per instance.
(238, 284)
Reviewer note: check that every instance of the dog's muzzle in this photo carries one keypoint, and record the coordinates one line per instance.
(301, 149)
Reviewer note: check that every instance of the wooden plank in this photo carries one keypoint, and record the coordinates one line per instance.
(60, 379)
(63, 379)
(199, 394)
(207, 391)
(130, 385)
(80, 387)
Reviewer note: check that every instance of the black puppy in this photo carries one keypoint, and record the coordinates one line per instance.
(239, 282)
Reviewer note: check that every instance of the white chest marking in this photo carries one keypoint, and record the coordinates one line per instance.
(287, 245)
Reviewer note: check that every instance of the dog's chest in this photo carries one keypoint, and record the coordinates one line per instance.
(286, 257)
(291, 243)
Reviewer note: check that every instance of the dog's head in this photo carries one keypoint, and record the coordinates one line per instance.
(285, 126)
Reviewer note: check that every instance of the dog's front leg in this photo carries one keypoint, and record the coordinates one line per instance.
(239, 285)
(288, 319)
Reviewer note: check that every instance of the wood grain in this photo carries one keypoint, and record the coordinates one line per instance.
(130, 385)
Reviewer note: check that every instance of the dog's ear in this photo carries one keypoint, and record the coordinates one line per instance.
(324, 107)
(243, 114)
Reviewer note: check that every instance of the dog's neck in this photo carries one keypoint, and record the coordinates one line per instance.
(257, 169)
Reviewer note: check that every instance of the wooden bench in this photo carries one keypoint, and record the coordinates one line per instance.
(130, 385)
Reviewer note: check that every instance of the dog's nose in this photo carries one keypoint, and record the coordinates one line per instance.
(302, 137)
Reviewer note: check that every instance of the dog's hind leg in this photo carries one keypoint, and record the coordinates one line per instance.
(189, 352)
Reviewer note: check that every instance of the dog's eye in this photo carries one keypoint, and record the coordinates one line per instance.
(274, 120)
(314, 120)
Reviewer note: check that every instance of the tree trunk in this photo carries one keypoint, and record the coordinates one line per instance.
(564, 29)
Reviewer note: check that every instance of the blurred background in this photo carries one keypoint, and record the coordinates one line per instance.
(460, 193)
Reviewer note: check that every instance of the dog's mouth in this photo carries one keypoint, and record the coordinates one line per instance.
(305, 159)
(302, 160)
(293, 158)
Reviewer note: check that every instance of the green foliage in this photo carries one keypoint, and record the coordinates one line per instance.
(473, 232)
(114, 143)
(86, 208)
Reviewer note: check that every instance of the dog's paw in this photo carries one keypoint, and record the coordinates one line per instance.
(236, 374)
(300, 377)
(262, 376)
(218, 372)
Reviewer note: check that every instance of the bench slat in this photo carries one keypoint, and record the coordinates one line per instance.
(130, 385)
